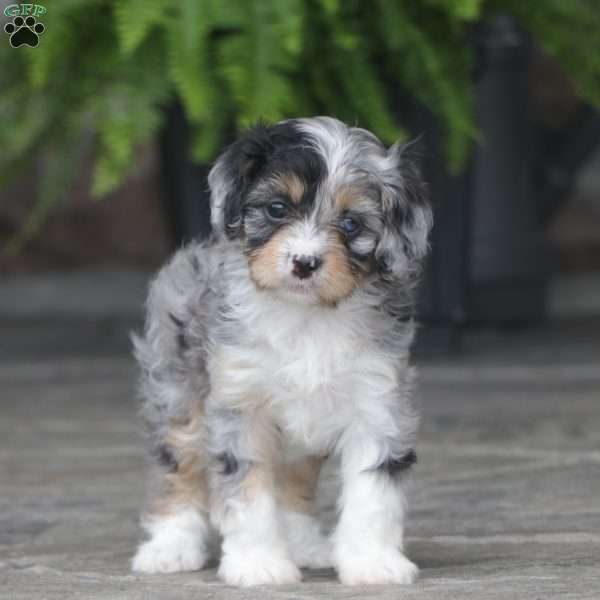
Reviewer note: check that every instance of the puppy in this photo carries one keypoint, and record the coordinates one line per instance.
(281, 341)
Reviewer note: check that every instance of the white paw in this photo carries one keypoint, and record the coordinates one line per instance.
(389, 566)
(259, 569)
(177, 543)
(169, 555)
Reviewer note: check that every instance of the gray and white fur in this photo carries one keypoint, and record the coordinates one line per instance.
(280, 342)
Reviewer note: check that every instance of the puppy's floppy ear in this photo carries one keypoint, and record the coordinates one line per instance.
(407, 216)
(231, 177)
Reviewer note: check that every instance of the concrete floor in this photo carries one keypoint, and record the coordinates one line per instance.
(505, 499)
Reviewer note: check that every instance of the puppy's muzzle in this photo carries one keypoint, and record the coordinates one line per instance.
(304, 266)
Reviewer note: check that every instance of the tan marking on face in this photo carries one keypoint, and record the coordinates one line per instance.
(298, 484)
(339, 280)
(290, 185)
(348, 196)
(336, 278)
(264, 261)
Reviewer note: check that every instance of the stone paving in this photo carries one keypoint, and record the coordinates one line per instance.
(505, 499)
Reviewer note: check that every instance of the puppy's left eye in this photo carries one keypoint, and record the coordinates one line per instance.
(349, 226)
(277, 210)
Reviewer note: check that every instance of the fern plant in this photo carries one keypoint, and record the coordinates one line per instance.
(109, 67)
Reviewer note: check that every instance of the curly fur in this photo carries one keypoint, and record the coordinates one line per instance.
(251, 377)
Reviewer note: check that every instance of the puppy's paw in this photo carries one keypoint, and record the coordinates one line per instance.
(258, 569)
(177, 543)
(169, 555)
(389, 566)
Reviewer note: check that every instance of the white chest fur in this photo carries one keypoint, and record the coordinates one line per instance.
(316, 369)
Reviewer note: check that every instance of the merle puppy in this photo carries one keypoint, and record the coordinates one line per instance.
(281, 341)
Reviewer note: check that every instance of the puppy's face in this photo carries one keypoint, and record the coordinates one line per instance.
(319, 207)
(310, 240)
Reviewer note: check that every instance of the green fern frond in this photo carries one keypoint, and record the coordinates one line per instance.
(109, 67)
(135, 18)
(460, 10)
(256, 61)
(124, 121)
(369, 96)
(188, 53)
(437, 73)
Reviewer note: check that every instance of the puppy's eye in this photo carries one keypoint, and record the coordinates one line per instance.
(277, 210)
(349, 226)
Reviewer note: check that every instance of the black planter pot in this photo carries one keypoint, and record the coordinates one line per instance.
(509, 258)
(185, 187)
(443, 299)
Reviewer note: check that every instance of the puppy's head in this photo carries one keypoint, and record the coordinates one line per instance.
(320, 208)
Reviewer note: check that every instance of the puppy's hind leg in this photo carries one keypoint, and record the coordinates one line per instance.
(177, 521)
(308, 545)
(174, 384)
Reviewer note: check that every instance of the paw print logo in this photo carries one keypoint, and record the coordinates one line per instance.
(24, 31)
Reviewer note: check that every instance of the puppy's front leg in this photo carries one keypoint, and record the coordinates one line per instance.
(369, 536)
(244, 508)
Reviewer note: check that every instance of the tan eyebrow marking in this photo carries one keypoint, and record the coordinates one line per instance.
(291, 185)
(348, 196)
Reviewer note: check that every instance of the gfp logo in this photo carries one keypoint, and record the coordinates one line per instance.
(24, 29)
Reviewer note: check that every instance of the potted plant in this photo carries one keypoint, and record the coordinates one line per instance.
(118, 70)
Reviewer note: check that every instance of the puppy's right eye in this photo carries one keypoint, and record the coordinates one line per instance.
(277, 210)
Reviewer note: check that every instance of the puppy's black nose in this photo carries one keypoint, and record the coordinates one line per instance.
(305, 266)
